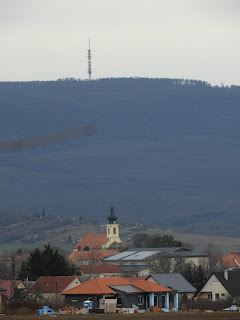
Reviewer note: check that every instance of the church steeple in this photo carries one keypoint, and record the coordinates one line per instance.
(112, 228)
(112, 218)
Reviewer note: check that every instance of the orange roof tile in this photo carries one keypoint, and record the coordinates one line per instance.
(92, 240)
(229, 260)
(100, 268)
(149, 286)
(97, 286)
(52, 284)
(100, 286)
(91, 255)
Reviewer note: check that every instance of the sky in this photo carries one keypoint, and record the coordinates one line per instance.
(191, 39)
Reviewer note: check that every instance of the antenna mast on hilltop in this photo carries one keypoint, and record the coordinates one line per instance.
(89, 61)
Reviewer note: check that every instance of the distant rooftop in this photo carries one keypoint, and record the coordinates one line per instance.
(148, 253)
(173, 280)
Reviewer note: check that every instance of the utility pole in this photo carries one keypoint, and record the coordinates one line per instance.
(13, 283)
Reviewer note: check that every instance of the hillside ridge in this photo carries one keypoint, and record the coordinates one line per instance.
(165, 149)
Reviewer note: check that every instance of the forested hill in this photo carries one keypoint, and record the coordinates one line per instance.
(164, 149)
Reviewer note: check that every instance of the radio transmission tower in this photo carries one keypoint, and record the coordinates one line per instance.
(89, 61)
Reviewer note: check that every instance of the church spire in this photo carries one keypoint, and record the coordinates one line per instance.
(112, 218)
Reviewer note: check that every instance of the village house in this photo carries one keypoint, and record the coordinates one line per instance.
(49, 288)
(175, 281)
(126, 293)
(12, 288)
(221, 285)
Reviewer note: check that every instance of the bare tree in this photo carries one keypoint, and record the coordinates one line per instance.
(120, 247)
(163, 264)
(214, 256)
(141, 240)
(5, 270)
(168, 263)
(179, 263)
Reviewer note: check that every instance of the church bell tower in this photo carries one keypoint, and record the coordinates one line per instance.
(112, 228)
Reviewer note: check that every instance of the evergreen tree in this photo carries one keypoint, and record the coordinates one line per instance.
(19, 252)
(48, 262)
(194, 275)
(200, 277)
(69, 240)
(188, 273)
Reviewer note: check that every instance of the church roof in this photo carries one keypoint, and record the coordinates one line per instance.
(92, 241)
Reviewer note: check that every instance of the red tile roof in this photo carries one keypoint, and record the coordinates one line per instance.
(97, 286)
(100, 286)
(91, 255)
(100, 268)
(92, 240)
(23, 256)
(52, 284)
(7, 284)
(231, 260)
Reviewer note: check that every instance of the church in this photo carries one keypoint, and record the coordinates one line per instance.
(101, 241)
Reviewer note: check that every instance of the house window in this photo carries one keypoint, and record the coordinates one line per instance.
(114, 230)
(140, 299)
(119, 302)
(108, 230)
(209, 296)
(74, 300)
(222, 294)
(217, 296)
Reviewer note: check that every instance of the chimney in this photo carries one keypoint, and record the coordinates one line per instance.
(226, 274)
(136, 275)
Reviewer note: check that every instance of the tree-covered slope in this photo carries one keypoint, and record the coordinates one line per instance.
(163, 149)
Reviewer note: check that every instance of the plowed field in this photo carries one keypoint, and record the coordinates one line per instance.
(145, 316)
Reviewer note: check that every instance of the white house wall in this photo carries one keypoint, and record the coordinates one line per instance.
(214, 287)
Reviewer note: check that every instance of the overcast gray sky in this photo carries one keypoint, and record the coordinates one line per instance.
(48, 39)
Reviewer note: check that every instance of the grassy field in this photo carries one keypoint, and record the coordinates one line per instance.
(145, 316)
(56, 236)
